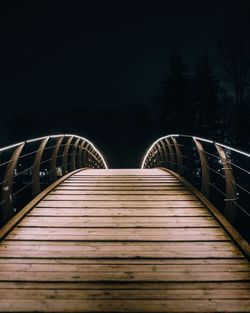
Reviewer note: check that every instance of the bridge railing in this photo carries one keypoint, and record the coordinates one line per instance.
(220, 172)
(28, 167)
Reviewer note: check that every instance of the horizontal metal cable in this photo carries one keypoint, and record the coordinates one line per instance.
(240, 168)
(216, 172)
(211, 154)
(49, 147)
(27, 169)
(242, 188)
(27, 154)
(23, 188)
(241, 208)
(216, 188)
(7, 162)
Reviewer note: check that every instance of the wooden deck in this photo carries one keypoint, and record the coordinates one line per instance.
(122, 241)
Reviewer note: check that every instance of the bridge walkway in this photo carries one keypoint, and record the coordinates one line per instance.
(126, 240)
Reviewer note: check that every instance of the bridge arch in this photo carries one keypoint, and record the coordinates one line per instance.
(220, 172)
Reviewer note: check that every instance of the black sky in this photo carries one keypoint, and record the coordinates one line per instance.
(98, 54)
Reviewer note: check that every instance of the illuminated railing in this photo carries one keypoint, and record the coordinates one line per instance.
(28, 167)
(220, 172)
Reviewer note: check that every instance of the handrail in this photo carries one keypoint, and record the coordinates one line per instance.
(28, 167)
(220, 172)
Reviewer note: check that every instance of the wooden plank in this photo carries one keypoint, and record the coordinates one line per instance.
(117, 221)
(113, 234)
(59, 191)
(120, 253)
(137, 262)
(132, 182)
(103, 250)
(125, 294)
(119, 212)
(79, 197)
(105, 246)
(133, 268)
(125, 172)
(60, 305)
(117, 276)
(121, 204)
(150, 188)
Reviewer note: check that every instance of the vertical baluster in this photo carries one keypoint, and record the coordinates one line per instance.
(179, 156)
(205, 174)
(171, 154)
(35, 185)
(6, 197)
(66, 155)
(73, 156)
(53, 161)
(230, 207)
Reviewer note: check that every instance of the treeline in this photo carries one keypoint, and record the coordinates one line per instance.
(212, 100)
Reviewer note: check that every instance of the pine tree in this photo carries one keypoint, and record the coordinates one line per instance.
(205, 90)
(175, 100)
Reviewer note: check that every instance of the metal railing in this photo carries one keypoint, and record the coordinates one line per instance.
(28, 167)
(220, 172)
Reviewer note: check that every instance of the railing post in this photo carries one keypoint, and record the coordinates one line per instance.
(53, 161)
(178, 155)
(79, 155)
(161, 155)
(73, 156)
(165, 152)
(35, 185)
(230, 207)
(155, 156)
(6, 196)
(171, 154)
(65, 156)
(85, 156)
(205, 175)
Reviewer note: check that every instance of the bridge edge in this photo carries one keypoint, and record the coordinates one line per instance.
(227, 226)
(8, 227)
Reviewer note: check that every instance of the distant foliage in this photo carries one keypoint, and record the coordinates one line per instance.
(233, 60)
(205, 96)
(174, 100)
(189, 104)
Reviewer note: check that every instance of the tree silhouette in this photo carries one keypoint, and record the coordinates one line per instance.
(234, 61)
(174, 101)
(205, 91)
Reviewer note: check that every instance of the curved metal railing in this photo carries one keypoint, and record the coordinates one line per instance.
(28, 167)
(220, 172)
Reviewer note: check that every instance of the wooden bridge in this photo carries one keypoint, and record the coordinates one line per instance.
(122, 240)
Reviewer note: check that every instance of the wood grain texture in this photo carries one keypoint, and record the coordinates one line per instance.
(122, 241)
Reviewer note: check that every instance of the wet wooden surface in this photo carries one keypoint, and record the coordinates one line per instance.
(122, 241)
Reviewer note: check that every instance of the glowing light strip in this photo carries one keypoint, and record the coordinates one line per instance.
(12, 146)
(89, 142)
(233, 149)
(198, 138)
(36, 139)
(56, 136)
(203, 139)
(151, 147)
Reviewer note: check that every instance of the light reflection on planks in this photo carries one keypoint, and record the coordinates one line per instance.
(122, 241)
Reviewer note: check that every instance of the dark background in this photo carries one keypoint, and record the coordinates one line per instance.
(95, 68)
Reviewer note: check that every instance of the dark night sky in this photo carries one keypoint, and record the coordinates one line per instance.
(100, 54)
